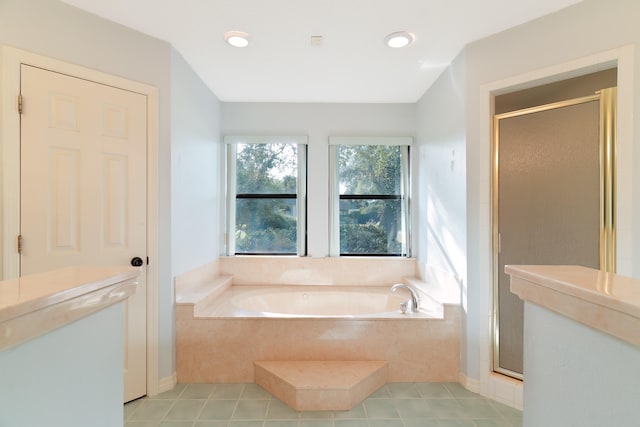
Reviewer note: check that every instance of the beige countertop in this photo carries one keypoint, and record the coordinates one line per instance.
(604, 301)
(36, 304)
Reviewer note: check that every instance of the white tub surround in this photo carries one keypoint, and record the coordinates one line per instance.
(62, 341)
(581, 342)
(33, 305)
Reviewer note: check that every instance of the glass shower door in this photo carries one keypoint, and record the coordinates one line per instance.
(549, 198)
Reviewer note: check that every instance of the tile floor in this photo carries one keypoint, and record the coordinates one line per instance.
(248, 405)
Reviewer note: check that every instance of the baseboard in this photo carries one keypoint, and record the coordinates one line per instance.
(506, 390)
(167, 383)
(469, 383)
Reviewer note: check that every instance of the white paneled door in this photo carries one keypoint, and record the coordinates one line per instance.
(83, 188)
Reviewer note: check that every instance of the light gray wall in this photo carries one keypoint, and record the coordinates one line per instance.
(582, 30)
(440, 179)
(197, 169)
(197, 176)
(318, 121)
(53, 29)
(69, 377)
(592, 382)
(59, 31)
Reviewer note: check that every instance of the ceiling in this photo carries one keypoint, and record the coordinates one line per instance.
(351, 65)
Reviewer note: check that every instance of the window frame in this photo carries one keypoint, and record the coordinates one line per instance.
(231, 142)
(405, 142)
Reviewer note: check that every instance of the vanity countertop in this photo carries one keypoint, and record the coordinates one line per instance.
(604, 301)
(35, 304)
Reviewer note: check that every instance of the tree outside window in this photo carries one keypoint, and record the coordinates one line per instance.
(266, 198)
(372, 201)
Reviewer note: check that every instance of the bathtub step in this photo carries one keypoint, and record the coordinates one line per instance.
(321, 385)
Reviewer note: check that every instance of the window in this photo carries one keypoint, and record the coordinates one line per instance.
(267, 186)
(370, 212)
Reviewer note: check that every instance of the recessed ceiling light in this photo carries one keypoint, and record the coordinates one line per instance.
(399, 39)
(237, 38)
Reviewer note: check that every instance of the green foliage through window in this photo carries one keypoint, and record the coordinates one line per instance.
(266, 219)
(371, 199)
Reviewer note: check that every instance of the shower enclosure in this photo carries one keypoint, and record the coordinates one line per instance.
(553, 200)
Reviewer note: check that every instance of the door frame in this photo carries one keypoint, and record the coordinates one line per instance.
(12, 59)
(488, 383)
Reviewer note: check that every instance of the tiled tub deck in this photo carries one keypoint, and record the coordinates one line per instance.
(222, 350)
(218, 344)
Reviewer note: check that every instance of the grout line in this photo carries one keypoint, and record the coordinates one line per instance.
(201, 409)
(299, 420)
(180, 392)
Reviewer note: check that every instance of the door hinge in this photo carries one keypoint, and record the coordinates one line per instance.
(20, 104)
(20, 243)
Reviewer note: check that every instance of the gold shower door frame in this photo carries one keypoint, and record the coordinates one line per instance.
(607, 159)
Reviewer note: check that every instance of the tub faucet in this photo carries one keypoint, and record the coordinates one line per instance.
(415, 299)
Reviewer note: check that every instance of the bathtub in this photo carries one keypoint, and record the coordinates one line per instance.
(219, 337)
(315, 301)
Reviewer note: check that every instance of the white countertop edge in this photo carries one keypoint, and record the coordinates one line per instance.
(609, 290)
(34, 292)
(36, 323)
(585, 299)
(33, 305)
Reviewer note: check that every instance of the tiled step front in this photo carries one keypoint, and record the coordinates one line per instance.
(321, 385)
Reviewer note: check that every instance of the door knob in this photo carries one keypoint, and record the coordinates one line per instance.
(137, 261)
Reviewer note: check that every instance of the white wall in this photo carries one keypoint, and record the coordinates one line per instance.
(318, 121)
(532, 51)
(440, 181)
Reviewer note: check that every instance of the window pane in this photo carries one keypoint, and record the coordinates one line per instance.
(266, 226)
(266, 169)
(371, 226)
(369, 169)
